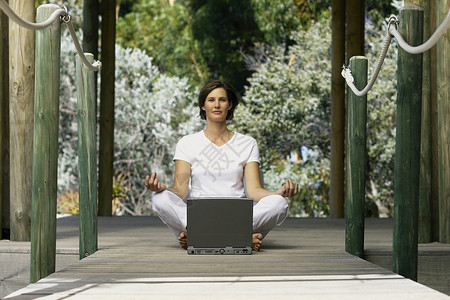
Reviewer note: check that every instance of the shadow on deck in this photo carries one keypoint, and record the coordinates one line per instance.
(139, 258)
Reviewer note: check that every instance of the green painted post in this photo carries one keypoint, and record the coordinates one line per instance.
(425, 188)
(45, 146)
(3, 99)
(356, 160)
(407, 147)
(87, 157)
(443, 108)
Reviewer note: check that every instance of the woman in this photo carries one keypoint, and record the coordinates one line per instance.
(217, 162)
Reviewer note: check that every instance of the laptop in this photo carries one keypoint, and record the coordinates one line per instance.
(219, 225)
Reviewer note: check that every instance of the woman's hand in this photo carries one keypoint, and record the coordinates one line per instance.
(153, 184)
(288, 189)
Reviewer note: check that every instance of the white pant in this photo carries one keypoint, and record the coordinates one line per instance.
(268, 212)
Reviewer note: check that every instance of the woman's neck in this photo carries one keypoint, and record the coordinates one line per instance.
(218, 134)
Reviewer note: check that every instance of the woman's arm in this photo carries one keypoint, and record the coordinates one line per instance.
(180, 185)
(257, 192)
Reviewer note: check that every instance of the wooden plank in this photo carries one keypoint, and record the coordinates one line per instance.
(303, 257)
(45, 148)
(356, 160)
(21, 62)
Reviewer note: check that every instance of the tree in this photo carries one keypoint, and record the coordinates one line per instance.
(205, 39)
(223, 30)
(286, 108)
(164, 31)
(153, 111)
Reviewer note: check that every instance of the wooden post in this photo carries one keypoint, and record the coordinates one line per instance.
(45, 150)
(106, 149)
(434, 132)
(355, 16)
(356, 160)
(22, 48)
(87, 157)
(425, 202)
(90, 26)
(4, 119)
(337, 109)
(443, 94)
(90, 33)
(4, 97)
(407, 148)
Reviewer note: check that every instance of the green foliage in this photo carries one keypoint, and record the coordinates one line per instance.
(286, 107)
(379, 10)
(68, 203)
(201, 39)
(312, 176)
(119, 192)
(276, 19)
(152, 112)
(164, 32)
(224, 28)
(381, 107)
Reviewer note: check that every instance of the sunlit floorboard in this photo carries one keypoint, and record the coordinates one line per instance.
(138, 258)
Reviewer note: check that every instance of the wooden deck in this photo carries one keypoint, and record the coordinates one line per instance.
(138, 258)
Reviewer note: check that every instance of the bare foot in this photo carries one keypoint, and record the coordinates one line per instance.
(257, 241)
(182, 240)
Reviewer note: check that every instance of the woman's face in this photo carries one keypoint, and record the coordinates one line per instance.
(217, 105)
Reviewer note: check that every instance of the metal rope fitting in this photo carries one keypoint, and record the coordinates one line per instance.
(392, 20)
(66, 17)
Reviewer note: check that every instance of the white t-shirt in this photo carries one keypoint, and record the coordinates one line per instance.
(217, 171)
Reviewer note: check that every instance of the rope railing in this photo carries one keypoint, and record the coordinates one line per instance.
(60, 14)
(428, 44)
(392, 32)
(96, 65)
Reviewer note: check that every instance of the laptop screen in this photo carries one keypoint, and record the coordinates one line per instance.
(219, 222)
